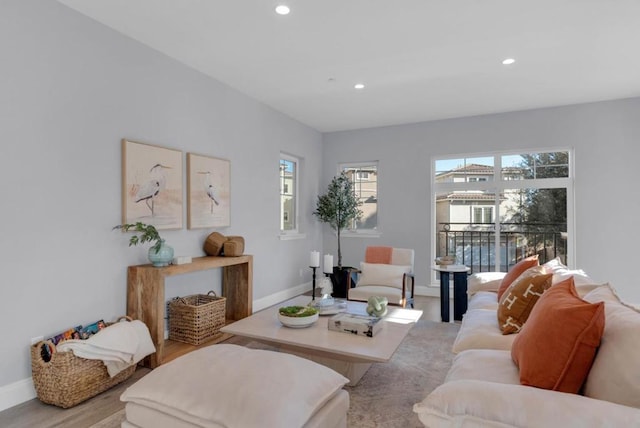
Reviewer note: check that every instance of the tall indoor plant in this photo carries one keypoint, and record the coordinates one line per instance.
(338, 207)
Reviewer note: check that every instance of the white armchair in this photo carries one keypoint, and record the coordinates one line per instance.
(387, 272)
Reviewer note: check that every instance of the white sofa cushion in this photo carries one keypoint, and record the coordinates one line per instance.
(236, 386)
(475, 403)
(583, 282)
(615, 374)
(381, 274)
(484, 364)
(480, 330)
(363, 292)
(483, 300)
(484, 281)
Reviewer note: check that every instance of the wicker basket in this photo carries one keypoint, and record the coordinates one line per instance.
(196, 319)
(67, 380)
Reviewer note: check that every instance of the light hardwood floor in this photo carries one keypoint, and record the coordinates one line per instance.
(35, 414)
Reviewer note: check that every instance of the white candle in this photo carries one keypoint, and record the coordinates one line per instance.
(328, 263)
(314, 260)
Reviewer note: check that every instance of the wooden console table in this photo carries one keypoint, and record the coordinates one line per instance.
(146, 301)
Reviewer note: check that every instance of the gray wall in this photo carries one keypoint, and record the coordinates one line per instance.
(605, 137)
(70, 89)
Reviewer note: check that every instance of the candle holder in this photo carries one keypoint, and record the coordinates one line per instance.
(313, 281)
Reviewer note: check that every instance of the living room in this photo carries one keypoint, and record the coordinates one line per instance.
(73, 88)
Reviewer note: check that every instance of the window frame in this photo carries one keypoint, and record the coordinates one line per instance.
(499, 184)
(295, 232)
(361, 232)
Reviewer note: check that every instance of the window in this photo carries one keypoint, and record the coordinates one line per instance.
(364, 177)
(482, 214)
(491, 211)
(288, 194)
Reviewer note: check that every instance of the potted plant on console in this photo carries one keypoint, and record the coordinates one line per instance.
(160, 254)
(339, 207)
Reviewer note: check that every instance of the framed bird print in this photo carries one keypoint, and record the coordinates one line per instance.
(208, 192)
(151, 185)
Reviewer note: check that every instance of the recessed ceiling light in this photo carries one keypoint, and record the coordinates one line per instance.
(359, 86)
(282, 9)
(508, 61)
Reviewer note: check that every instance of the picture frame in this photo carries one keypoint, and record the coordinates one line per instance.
(152, 191)
(208, 192)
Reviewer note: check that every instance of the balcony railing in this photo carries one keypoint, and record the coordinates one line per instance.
(474, 244)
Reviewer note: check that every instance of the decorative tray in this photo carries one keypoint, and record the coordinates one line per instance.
(329, 307)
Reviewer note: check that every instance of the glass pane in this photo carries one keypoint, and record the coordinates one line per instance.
(533, 221)
(462, 231)
(464, 170)
(365, 186)
(535, 166)
(287, 195)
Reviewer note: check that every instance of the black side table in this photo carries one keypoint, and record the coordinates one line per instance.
(460, 273)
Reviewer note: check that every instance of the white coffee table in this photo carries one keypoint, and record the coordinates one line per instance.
(348, 354)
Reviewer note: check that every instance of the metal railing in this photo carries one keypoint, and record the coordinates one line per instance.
(474, 244)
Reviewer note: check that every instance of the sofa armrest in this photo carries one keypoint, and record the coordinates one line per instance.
(490, 404)
(484, 281)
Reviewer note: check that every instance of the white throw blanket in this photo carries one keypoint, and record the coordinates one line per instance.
(119, 346)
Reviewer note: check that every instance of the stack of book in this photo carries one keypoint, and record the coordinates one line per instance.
(361, 325)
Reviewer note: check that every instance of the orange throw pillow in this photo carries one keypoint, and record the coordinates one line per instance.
(517, 270)
(518, 301)
(556, 347)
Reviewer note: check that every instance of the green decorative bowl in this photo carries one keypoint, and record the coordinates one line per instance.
(297, 316)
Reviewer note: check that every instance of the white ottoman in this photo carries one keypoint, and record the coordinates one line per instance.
(236, 387)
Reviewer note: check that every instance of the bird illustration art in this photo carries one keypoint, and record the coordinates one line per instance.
(152, 188)
(209, 189)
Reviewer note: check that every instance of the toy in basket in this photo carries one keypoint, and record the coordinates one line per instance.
(64, 380)
(196, 319)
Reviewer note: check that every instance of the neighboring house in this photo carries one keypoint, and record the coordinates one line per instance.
(365, 182)
(469, 209)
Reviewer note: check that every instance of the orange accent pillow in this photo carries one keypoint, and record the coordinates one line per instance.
(518, 301)
(381, 255)
(517, 270)
(556, 347)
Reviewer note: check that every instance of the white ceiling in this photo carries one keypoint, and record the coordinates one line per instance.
(419, 59)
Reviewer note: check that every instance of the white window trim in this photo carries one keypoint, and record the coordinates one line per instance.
(498, 185)
(295, 233)
(291, 236)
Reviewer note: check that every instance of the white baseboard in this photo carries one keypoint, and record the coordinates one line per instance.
(427, 290)
(16, 393)
(276, 298)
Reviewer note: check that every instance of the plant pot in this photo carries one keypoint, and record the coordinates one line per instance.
(339, 279)
(162, 257)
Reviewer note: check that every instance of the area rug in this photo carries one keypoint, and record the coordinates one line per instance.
(385, 395)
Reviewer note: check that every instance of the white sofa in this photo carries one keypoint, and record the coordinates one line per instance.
(482, 388)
